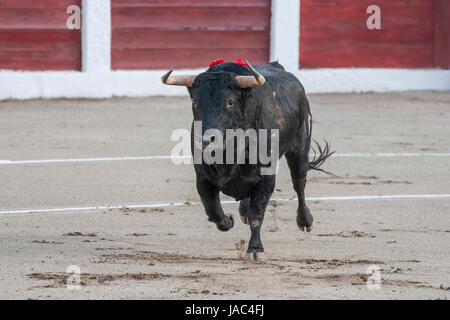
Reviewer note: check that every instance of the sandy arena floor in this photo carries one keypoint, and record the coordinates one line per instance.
(394, 144)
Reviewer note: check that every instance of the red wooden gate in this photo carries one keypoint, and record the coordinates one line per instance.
(34, 36)
(414, 34)
(160, 34)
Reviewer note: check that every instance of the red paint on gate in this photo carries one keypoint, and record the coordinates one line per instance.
(441, 37)
(333, 33)
(165, 34)
(34, 36)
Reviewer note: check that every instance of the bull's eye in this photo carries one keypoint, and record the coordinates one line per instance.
(230, 104)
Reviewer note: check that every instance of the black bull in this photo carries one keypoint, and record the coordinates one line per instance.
(221, 100)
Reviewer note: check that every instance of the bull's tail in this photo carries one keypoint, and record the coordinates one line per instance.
(321, 155)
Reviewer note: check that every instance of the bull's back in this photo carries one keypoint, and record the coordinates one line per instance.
(283, 103)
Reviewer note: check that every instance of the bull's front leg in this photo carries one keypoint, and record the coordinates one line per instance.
(259, 200)
(211, 201)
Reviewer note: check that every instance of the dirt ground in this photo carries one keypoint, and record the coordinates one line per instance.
(172, 252)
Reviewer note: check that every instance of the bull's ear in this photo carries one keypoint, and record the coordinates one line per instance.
(182, 80)
(251, 81)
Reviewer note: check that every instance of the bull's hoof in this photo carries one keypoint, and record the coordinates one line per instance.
(308, 229)
(244, 219)
(304, 220)
(226, 224)
(254, 256)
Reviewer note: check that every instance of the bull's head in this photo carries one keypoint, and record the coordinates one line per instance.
(218, 100)
(188, 80)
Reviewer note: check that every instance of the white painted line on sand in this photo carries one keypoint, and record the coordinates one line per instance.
(180, 204)
(390, 155)
(89, 159)
(336, 155)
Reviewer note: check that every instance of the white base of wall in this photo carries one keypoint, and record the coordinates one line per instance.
(373, 80)
(72, 84)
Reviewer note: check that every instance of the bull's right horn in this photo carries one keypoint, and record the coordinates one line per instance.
(256, 80)
(183, 80)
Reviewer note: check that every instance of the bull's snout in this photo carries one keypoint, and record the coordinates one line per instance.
(206, 145)
(210, 142)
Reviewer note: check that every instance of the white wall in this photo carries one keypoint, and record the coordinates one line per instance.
(98, 81)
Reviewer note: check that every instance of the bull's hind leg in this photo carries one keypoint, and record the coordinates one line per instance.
(298, 165)
(244, 210)
(211, 201)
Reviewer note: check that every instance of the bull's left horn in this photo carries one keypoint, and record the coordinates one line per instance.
(251, 81)
(183, 80)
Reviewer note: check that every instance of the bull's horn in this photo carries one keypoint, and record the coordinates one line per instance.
(184, 80)
(251, 81)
